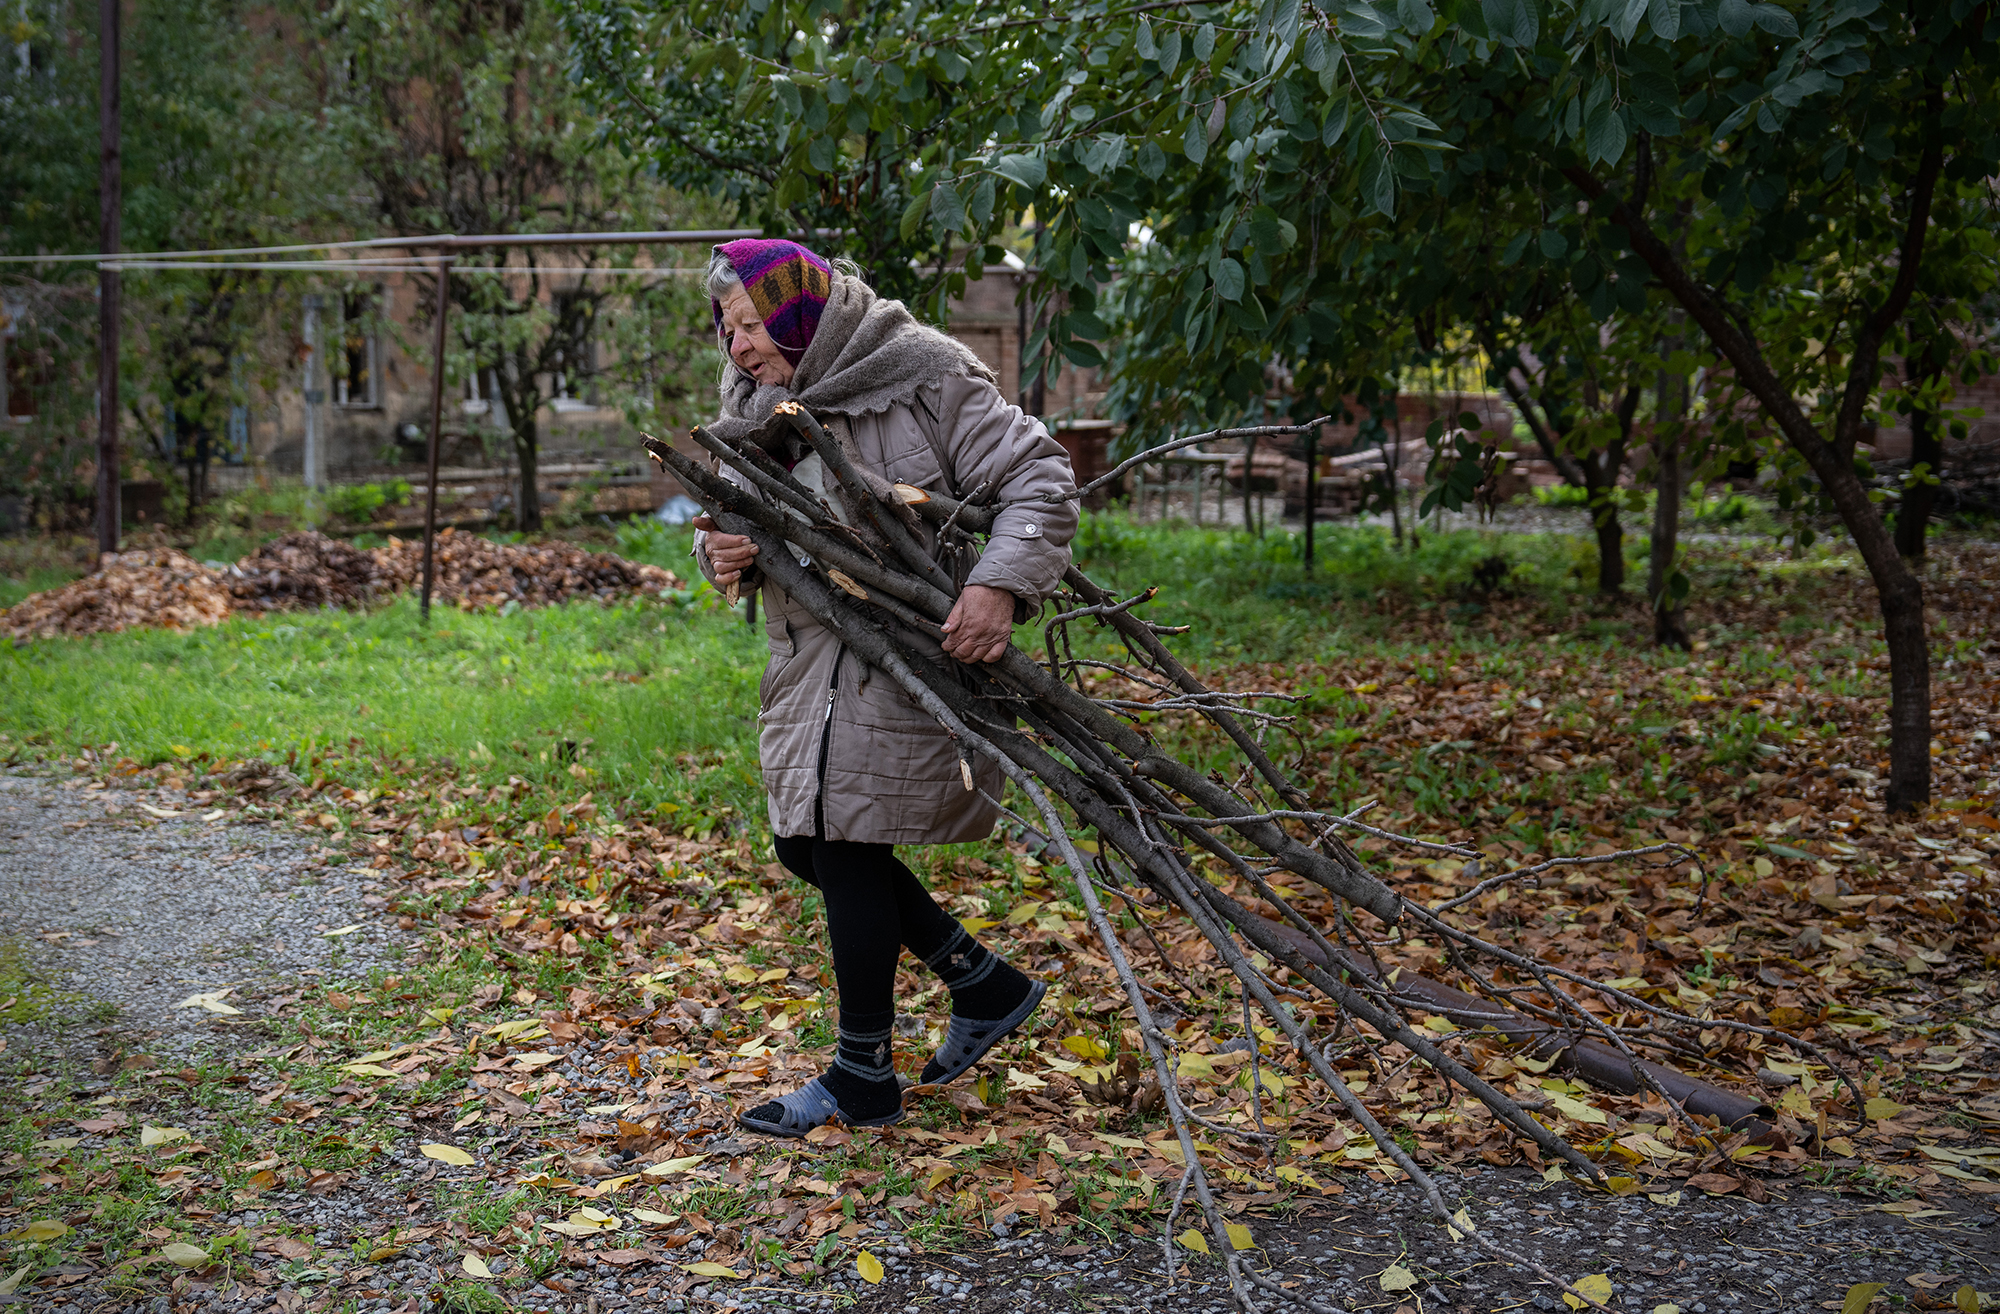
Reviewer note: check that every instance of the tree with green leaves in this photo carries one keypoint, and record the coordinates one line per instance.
(465, 120)
(221, 149)
(1790, 177)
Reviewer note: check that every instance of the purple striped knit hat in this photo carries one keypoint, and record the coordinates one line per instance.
(788, 287)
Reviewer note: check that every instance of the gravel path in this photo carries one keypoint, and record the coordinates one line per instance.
(122, 915)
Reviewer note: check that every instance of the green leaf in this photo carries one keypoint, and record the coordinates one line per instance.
(1516, 248)
(1025, 169)
(1152, 161)
(1170, 52)
(1776, 21)
(1734, 16)
(952, 65)
(1415, 16)
(1083, 354)
(913, 215)
(1604, 134)
(1664, 17)
(1336, 123)
(1313, 53)
(1512, 22)
(947, 207)
(1627, 22)
(1264, 230)
(1142, 40)
(787, 93)
(1204, 42)
(1229, 279)
(1196, 141)
(1554, 245)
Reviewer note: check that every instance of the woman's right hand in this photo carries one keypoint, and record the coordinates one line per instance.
(731, 555)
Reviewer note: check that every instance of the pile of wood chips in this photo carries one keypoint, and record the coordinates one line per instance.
(158, 587)
(164, 588)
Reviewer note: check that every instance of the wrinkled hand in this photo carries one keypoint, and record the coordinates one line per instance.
(981, 624)
(732, 555)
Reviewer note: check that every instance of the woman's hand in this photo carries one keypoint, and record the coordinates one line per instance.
(981, 624)
(731, 555)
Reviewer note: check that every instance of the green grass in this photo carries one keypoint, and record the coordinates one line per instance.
(609, 696)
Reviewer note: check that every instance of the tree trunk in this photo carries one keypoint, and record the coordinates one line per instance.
(1669, 489)
(527, 448)
(1901, 593)
(1913, 513)
(1600, 472)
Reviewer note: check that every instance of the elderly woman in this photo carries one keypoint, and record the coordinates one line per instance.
(852, 765)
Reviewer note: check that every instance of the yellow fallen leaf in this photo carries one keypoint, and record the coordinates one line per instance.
(369, 1070)
(8, 1286)
(771, 974)
(974, 925)
(654, 1217)
(1597, 1287)
(158, 812)
(343, 930)
(668, 1167)
(1577, 1109)
(58, 1143)
(1622, 1185)
(1297, 1176)
(439, 1015)
(1965, 1300)
(1193, 1240)
(1397, 1278)
(1086, 1047)
(161, 1135)
(212, 1001)
(548, 1181)
(869, 1267)
(1667, 1309)
(709, 1268)
(1019, 1080)
(740, 974)
(518, 1027)
(42, 1229)
(1881, 1109)
(536, 1060)
(1859, 1295)
(476, 1266)
(450, 1154)
(1460, 1226)
(1669, 1198)
(1239, 1237)
(185, 1255)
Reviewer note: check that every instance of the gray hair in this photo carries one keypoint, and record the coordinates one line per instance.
(722, 276)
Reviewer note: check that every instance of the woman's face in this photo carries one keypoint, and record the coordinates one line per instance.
(750, 344)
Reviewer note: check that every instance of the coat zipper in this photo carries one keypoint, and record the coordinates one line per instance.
(826, 724)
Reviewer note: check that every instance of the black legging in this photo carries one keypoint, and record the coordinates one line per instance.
(875, 906)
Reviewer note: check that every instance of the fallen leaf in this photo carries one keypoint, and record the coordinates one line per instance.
(369, 1070)
(1926, 1281)
(58, 1143)
(1667, 1309)
(1966, 1300)
(1880, 1109)
(476, 1266)
(869, 1267)
(1714, 1183)
(1859, 1295)
(1596, 1287)
(623, 1255)
(287, 1247)
(185, 1255)
(212, 1001)
(668, 1167)
(450, 1154)
(42, 1229)
(9, 1286)
(150, 1135)
(709, 1268)
(1193, 1240)
(344, 930)
(1397, 1278)
(1239, 1237)
(654, 1217)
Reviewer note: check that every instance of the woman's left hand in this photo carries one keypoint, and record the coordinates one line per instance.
(981, 624)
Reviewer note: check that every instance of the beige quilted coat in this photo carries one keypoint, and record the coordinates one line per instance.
(838, 732)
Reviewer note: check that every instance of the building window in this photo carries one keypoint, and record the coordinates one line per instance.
(359, 381)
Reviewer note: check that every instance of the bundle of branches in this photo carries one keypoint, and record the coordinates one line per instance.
(865, 560)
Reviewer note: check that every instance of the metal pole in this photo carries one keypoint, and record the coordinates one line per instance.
(309, 459)
(438, 313)
(109, 206)
(1312, 470)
